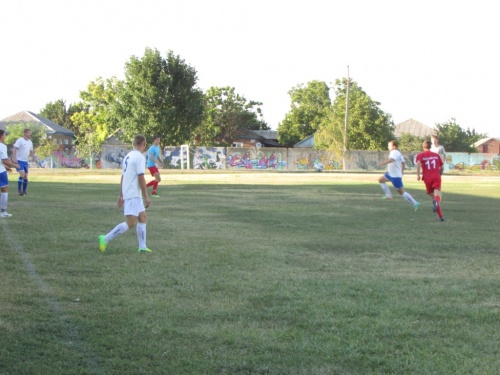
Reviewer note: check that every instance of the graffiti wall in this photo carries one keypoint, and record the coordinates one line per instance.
(256, 158)
(264, 158)
(209, 158)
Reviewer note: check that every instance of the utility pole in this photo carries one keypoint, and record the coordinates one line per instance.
(346, 126)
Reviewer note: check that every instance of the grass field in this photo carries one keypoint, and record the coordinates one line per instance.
(252, 273)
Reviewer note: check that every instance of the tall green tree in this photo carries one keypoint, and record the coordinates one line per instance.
(59, 113)
(369, 128)
(310, 105)
(455, 139)
(94, 117)
(160, 96)
(226, 113)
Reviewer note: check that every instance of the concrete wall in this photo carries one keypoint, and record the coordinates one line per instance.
(267, 158)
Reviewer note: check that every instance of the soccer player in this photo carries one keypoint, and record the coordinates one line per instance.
(431, 165)
(5, 166)
(395, 167)
(132, 191)
(438, 149)
(23, 149)
(153, 155)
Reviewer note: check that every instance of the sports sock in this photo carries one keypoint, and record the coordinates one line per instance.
(438, 211)
(150, 183)
(155, 186)
(3, 201)
(25, 184)
(119, 229)
(386, 189)
(409, 198)
(141, 235)
(19, 183)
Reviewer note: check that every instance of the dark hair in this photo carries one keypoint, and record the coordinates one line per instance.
(139, 140)
(394, 143)
(2, 132)
(156, 137)
(426, 145)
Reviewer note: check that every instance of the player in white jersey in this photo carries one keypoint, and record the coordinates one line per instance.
(132, 191)
(23, 149)
(438, 149)
(395, 167)
(5, 166)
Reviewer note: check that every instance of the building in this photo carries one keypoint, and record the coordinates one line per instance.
(488, 145)
(412, 127)
(256, 138)
(29, 119)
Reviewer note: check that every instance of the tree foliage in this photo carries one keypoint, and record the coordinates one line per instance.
(159, 96)
(94, 115)
(59, 113)
(16, 131)
(455, 139)
(310, 105)
(409, 142)
(226, 113)
(369, 128)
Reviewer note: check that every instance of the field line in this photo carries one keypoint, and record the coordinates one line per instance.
(73, 338)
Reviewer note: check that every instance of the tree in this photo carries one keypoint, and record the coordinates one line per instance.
(17, 131)
(409, 142)
(159, 96)
(310, 105)
(369, 128)
(456, 139)
(226, 113)
(94, 115)
(58, 113)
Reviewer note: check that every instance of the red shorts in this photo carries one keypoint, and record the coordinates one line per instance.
(153, 170)
(433, 183)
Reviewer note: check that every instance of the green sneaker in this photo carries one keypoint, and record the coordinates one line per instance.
(102, 243)
(417, 206)
(155, 195)
(146, 250)
(386, 198)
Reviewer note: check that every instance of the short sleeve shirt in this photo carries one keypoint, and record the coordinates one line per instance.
(24, 147)
(134, 165)
(395, 169)
(155, 150)
(431, 164)
(440, 151)
(3, 156)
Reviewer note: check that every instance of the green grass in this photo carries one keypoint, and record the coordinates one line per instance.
(251, 274)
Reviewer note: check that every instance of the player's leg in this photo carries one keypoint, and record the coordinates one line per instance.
(4, 195)
(383, 184)
(141, 232)
(156, 181)
(407, 196)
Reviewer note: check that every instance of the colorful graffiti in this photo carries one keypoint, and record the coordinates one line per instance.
(209, 158)
(249, 158)
(173, 157)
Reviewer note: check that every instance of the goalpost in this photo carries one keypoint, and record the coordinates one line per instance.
(184, 148)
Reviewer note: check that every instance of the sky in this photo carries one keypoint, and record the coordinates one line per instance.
(432, 61)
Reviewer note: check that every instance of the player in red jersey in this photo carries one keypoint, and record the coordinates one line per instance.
(431, 166)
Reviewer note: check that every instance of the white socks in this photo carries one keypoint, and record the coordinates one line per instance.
(4, 197)
(119, 229)
(141, 235)
(123, 227)
(386, 189)
(409, 198)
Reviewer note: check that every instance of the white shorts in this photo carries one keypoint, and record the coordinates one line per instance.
(133, 206)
